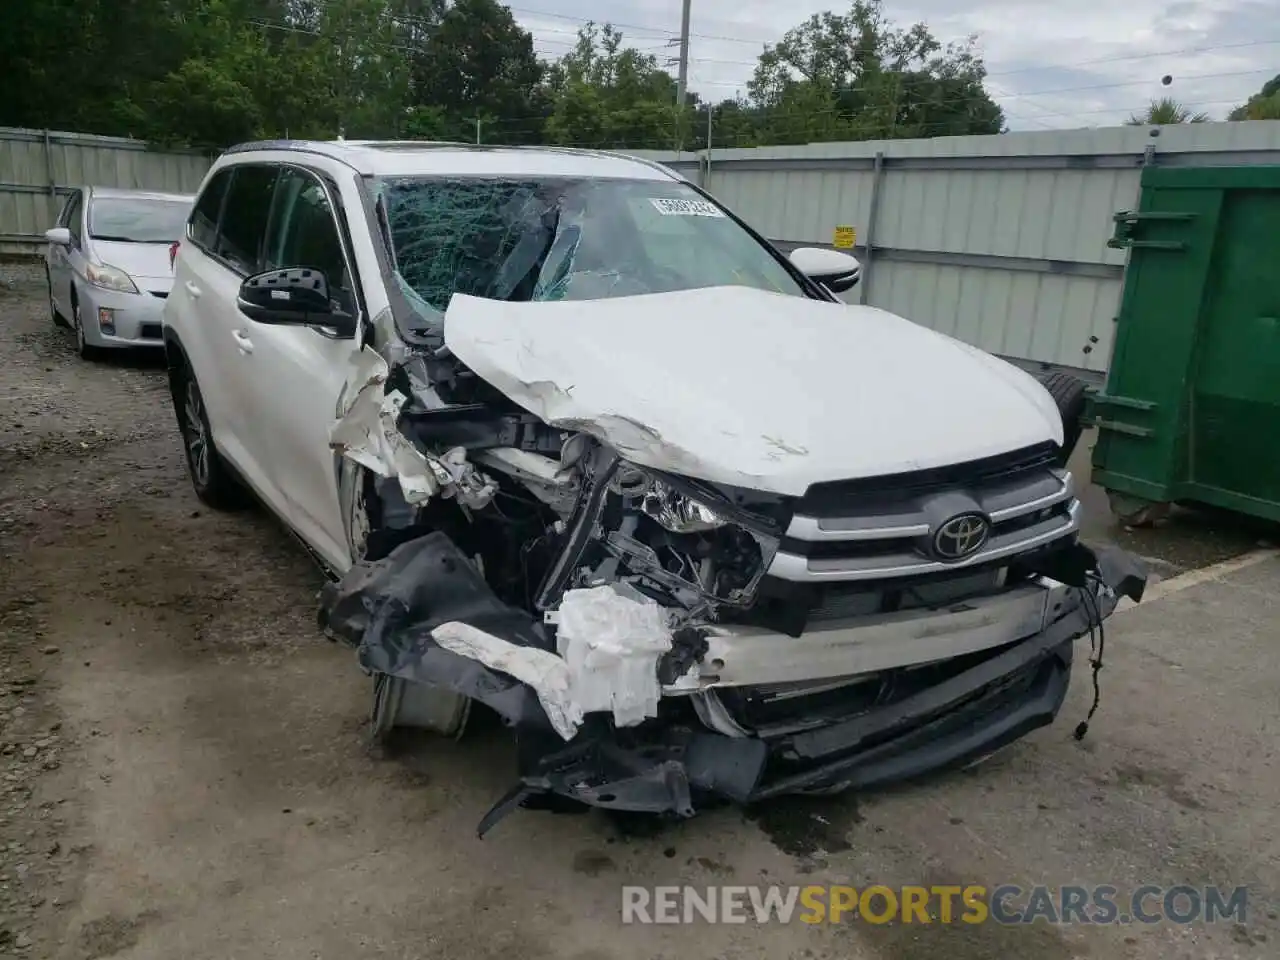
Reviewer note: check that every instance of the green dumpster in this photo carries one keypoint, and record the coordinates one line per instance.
(1191, 407)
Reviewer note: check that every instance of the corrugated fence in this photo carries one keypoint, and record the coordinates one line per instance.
(38, 167)
(999, 241)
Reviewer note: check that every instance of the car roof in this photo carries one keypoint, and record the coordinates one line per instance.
(407, 158)
(121, 193)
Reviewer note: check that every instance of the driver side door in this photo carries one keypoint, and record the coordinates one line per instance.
(306, 367)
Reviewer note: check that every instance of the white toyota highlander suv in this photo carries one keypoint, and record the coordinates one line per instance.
(577, 444)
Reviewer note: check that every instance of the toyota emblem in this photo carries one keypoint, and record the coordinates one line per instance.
(960, 537)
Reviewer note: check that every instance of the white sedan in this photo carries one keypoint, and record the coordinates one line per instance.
(110, 265)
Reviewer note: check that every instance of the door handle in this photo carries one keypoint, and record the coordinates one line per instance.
(193, 289)
(242, 341)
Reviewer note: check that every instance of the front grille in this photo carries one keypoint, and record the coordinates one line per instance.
(881, 528)
(150, 331)
(162, 294)
(837, 498)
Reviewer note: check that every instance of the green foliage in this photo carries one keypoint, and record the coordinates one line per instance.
(1263, 105)
(608, 95)
(855, 76)
(208, 73)
(1166, 111)
(210, 106)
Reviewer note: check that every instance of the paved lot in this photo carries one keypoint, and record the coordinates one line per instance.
(184, 773)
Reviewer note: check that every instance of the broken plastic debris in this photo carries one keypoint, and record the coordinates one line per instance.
(612, 637)
(471, 488)
(367, 432)
(545, 673)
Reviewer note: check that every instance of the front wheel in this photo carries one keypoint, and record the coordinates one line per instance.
(84, 349)
(54, 315)
(400, 703)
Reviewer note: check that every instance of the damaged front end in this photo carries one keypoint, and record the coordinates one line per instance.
(658, 579)
(632, 627)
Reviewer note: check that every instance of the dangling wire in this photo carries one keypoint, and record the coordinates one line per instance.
(1097, 645)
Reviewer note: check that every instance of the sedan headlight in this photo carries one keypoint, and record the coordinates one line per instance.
(677, 513)
(110, 278)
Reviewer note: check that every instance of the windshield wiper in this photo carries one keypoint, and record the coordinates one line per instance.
(114, 239)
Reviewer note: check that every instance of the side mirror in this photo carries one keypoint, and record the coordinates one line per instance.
(58, 235)
(836, 271)
(295, 295)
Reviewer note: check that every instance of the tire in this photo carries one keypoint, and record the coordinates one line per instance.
(54, 315)
(1068, 394)
(214, 483)
(84, 349)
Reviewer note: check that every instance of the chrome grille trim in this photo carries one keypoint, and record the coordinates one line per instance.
(1000, 504)
(907, 563)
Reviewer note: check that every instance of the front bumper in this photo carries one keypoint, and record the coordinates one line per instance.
(993, 668)
(135, 319)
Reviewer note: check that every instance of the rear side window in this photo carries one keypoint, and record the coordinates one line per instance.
(244, 219)
(204, 218)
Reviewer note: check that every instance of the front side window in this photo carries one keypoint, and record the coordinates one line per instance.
(567, 240)
(72, 215)
(204, 217)
(244, 217)
(304, 233)
(142, 220)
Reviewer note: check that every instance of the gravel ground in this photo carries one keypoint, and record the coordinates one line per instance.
(184, 768)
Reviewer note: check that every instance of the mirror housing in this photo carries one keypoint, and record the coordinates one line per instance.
(836, 271)
(296, 296)
(60, 236)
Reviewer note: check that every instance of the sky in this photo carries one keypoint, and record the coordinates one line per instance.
(1084, 63)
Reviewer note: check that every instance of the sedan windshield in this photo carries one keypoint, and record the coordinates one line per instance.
(138, 220)
(566, 240)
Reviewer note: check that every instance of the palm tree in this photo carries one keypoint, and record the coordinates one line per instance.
(1165, 111)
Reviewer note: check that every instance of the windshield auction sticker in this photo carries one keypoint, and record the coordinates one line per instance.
(685, 208)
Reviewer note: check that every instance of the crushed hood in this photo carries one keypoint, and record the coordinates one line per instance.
(751, 388)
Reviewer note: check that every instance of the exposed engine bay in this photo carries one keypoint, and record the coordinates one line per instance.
(609, 608)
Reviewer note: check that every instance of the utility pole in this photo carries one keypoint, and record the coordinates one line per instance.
(683, 81)
(706, 177)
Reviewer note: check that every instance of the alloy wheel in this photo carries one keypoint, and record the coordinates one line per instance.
(196, 435)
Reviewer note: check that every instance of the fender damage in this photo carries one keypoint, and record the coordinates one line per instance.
(537, 569)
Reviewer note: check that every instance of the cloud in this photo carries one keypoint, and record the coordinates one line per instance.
(1051, 65)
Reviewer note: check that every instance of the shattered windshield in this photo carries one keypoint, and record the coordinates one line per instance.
(564, 239)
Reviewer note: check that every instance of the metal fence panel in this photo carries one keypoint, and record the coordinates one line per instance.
(999, 241)
(38, 167)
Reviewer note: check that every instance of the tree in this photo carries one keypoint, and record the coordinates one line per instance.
(478, 62)
(856, 76)
(1165, 111)
(1263, 105)
(209, 106)
(606, 95)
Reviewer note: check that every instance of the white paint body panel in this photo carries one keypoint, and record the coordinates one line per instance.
(753, 389)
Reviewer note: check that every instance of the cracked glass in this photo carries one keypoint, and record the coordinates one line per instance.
(564, 239)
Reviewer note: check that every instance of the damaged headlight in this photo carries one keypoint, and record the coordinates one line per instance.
(677, 513)
(672, 545)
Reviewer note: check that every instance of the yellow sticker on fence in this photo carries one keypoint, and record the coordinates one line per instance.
(845, 238)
